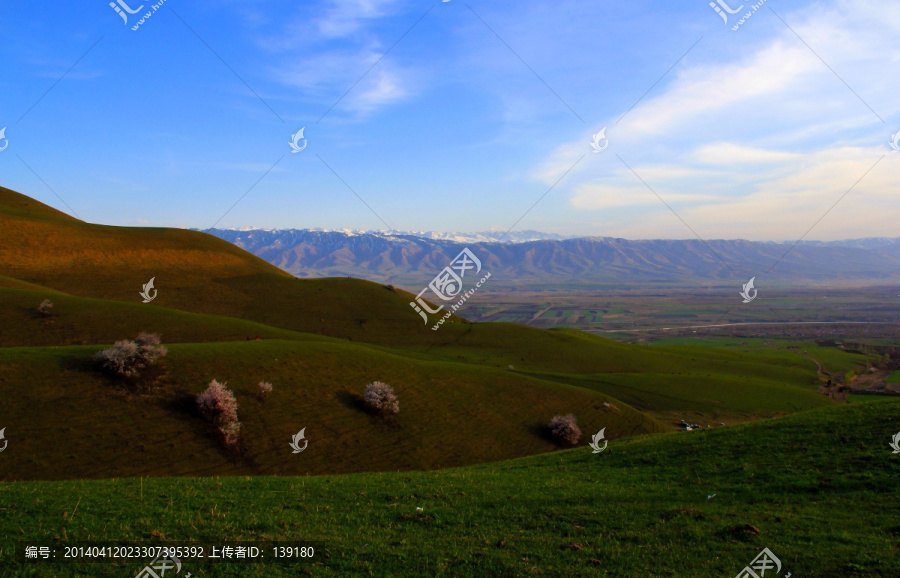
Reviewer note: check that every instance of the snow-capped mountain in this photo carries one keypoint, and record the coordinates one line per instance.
(416, 257)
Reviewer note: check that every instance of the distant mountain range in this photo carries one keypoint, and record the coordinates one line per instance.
(534, 258)
(482, 237)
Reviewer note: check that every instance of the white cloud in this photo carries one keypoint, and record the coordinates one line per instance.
(703, 90)
(759, 146)
(730, 154)
(781, 205)
(598, 196)
(383, 87)
(328, 75)
(346, 17)
(335, 51)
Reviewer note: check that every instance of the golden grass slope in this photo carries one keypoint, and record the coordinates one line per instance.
(193, 272)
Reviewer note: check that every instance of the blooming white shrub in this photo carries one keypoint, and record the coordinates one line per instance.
(150, 350)
(380, 396)
(45, 307)
(218, 404)
(565, 428)
(127, 359)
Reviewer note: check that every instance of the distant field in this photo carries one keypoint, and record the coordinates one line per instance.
(685, 311)
(894, 377)
(706, 398)
(834, 360)
(815, 488)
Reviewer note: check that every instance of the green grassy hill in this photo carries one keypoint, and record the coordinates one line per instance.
(705, 383)
(202, 274)
(66, 420)
(82, 321)
(818, 489)
(470, 393)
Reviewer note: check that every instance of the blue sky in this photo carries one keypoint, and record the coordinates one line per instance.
(753, 133)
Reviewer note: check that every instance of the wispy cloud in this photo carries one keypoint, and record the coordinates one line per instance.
(804, 137)
(786, 197)
(730, 154)
(346, 17)
(325, 55)
(328, 74)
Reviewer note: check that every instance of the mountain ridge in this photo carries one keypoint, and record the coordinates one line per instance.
(413, 259)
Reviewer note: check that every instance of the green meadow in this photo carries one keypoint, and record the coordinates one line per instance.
(817, 488)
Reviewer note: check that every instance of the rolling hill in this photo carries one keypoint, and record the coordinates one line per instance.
(193, 272)
(469, 392)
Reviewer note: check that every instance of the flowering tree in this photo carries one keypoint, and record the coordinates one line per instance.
(127, 359)
(45, 307)
(218, 404)
(565, 428)
(380, 396)
(265, 388)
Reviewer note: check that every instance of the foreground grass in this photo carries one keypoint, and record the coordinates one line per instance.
(819, 487)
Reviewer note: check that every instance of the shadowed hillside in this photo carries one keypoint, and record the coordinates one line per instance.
(469, 392)
(68, 421)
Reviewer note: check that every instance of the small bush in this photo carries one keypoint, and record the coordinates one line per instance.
(127, 359)
(265, 388)
(45, 307)
(565, 428)
(218, 404)
(380, 396)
